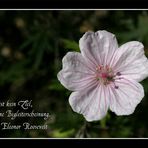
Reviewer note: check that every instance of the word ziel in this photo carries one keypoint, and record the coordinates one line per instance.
(25, 104)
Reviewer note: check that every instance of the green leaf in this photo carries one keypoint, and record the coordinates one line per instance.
(62, 134)
(68, 44)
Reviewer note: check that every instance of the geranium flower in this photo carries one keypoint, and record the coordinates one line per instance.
(104, 76)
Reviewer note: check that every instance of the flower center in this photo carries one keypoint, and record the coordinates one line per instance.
(106, 76)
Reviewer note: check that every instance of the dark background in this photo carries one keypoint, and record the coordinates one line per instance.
(32, 45)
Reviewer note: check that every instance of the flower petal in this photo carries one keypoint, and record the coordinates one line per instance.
(75, 75)
(92, 103)
(124, 100)
(98, 47)
(131, 62)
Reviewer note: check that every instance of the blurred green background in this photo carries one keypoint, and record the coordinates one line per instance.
(32, 45)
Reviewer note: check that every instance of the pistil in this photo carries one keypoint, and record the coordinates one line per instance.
(106, 76)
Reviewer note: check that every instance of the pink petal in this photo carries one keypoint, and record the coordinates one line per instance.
(98, 47)
(92, 103)
(124, 100)
(131, 62)
(75, 75)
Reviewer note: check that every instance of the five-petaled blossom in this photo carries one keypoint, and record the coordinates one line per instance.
(104, 76)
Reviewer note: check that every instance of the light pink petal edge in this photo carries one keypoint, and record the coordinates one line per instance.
(98, 47)
(91, 103)
(124, 100)
(75, 74)
(131, 61)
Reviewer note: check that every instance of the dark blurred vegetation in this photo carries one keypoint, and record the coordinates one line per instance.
(32, 45)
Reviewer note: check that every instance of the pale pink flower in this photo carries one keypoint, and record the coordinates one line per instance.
(104, 76)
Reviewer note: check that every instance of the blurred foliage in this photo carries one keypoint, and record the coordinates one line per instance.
(32, 44)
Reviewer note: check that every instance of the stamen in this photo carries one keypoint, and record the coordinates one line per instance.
(116, 87)
(119, 78)
(105, 75)
(118, 74)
